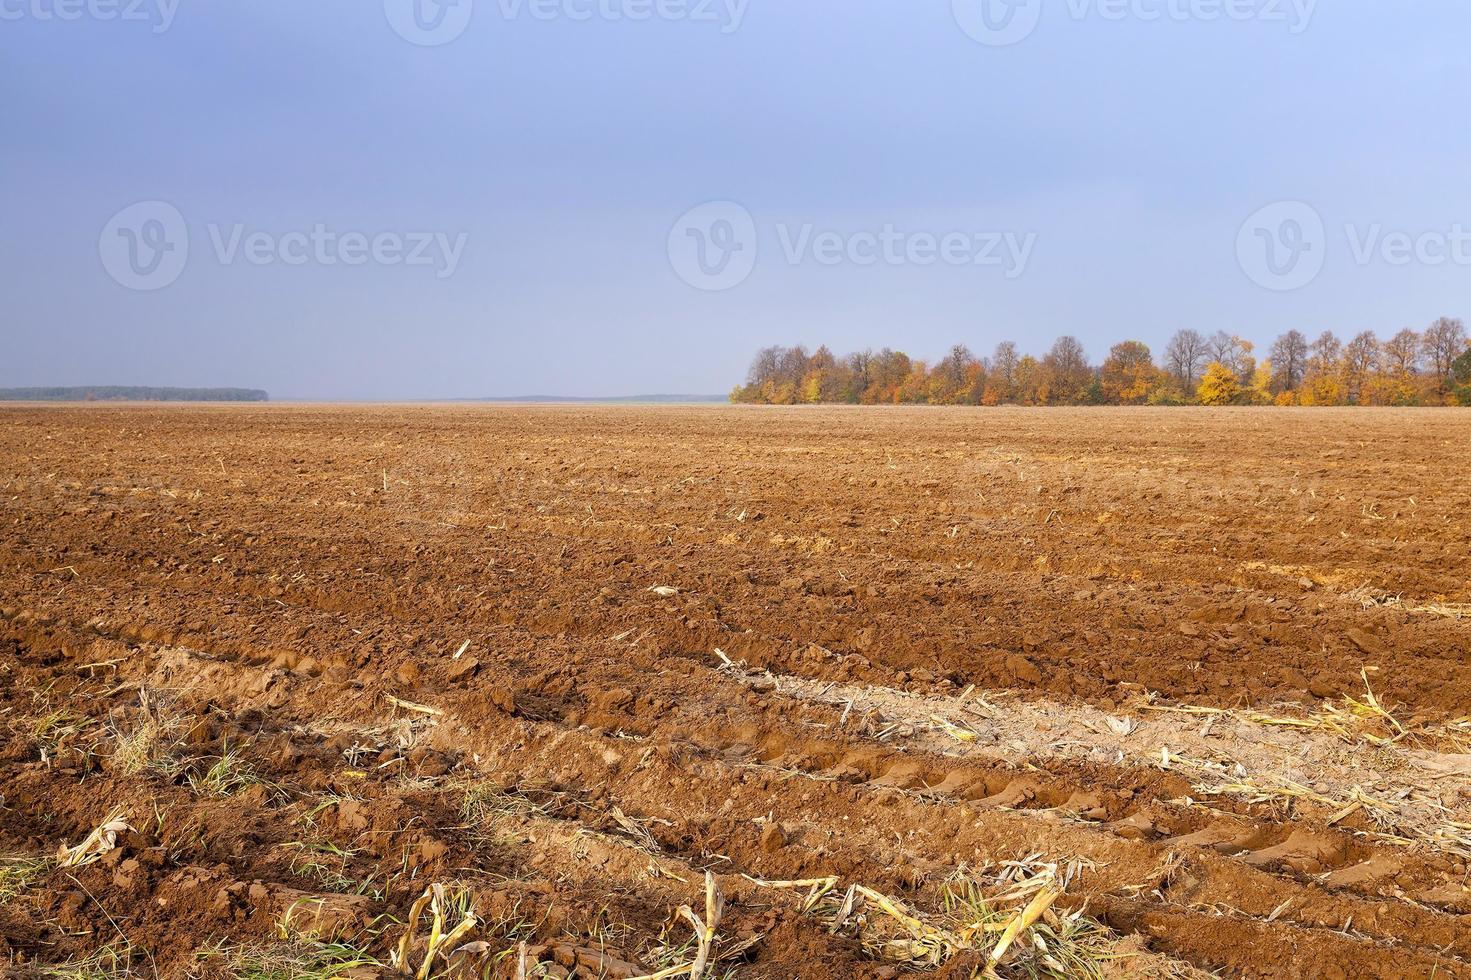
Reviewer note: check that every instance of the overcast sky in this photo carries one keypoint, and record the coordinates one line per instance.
(361, 199)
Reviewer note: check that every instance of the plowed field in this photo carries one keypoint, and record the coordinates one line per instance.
(1043, 693)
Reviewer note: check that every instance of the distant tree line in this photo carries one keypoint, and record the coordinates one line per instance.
(1432, 367)
(120, 393)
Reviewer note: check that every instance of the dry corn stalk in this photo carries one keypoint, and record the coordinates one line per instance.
(1355, 720)
(439, 940)
(1020, 923)
(972, 921)
(97, 843)
(422, 709)
(1406, 821)
(705, 929)
(957, 732)
(634, 829)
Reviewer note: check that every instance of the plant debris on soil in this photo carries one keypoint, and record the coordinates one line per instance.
(309, 693)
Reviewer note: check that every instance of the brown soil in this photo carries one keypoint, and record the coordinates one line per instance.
(478, 645)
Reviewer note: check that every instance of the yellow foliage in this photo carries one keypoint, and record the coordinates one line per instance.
(1391, 390)
(1261, 384)
(1324, 389)
(812, 387)
(1219, 386)
(779, 393)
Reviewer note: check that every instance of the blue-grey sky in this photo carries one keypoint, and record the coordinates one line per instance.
(905, 173)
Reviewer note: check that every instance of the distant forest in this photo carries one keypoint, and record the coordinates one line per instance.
(119, 393)
(1432, 367)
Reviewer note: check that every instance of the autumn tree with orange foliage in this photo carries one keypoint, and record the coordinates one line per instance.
(1129, 375)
